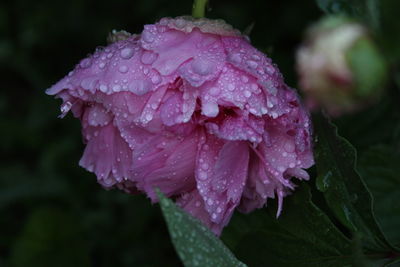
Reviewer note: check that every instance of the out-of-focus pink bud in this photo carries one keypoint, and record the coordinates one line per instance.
(340, 68)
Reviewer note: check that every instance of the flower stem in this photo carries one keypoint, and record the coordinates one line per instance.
(199, 7)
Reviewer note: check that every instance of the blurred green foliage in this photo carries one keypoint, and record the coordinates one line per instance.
(52, 212)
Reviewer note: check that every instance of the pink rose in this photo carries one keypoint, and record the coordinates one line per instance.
(189, 107)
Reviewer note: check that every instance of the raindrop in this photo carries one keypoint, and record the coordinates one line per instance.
(148, 57)
(66, 107)
(85, 63)
(180, 23)
(156, 79)
(103, 88)
(116, 88)
(147, 36)
(127, 53)
(123, 69)
(201, 67)
(214, 91)
(252, 64)
(247, 93)
(210, 109)
(244, 79)
(203, 175)
(235, 58)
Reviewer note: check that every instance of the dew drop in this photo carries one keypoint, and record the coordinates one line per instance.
(202, 175)
(148, 36)
(252, 64)
(66, 107)
(210, 109)
(85, 63)
(247, 93)
(148, 57)
(214, 91)
(103, 88)
(202, 67)
(127, 53)
(123, 69)
(156, 79)
(180, 23)
(235, 58)
(116, 88)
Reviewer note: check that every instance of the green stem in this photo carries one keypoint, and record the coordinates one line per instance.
(199, 7)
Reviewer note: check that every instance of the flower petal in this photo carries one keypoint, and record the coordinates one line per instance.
(167, 163)
(221, 171)
(107, 155)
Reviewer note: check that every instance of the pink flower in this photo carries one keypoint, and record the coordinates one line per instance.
(189, 107)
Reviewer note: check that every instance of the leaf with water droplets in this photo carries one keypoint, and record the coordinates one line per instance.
(344, 190)
(195, 244)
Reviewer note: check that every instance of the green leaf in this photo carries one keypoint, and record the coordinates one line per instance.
(366, 10)
(195, 244)
(302, 236)
(343, 188)
(380, 168)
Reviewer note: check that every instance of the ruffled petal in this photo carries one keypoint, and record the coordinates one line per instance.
(240, 127)
(121, 66)
(221, 171)
(167, 163)
(107, 155)
(193, 203)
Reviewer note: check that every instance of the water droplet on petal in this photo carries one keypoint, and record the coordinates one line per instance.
(103, 88)
(147, 36)
(214, 91)
(202, 67)
(210, 109)
(116, 88)
(66, 107)
(235, 58)
(203, 175)
(247, 93)
(156, 79)
(252, 64)
(148, 57)
(127, 53)
(180, 23)
(123, 69)
(85, 63)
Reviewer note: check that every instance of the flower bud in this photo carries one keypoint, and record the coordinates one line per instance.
(340, 67)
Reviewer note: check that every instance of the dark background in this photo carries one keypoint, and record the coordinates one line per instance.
(52, 212)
